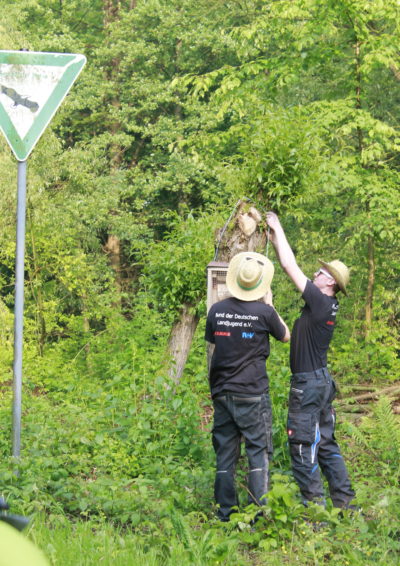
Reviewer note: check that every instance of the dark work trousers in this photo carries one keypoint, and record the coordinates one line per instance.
(237, 415)
(311, 433)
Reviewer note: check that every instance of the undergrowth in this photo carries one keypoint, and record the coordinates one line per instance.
(118, 468)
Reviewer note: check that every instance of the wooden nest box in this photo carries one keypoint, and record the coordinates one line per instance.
(216, 282)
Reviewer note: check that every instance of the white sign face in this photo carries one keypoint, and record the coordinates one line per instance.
(23, 107)
(32, 87)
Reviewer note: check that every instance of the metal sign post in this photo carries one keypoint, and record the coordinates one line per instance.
(19, 308)
(32, 87)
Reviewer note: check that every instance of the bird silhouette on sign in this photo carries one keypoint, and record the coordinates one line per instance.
(19, 99)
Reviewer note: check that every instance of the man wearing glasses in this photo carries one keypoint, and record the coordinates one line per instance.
(311, 417)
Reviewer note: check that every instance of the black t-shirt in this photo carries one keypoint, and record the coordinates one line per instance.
(312, 332)
(240, 331)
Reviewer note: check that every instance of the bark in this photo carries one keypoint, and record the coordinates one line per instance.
(37, 294)
(113, 250)
(181, 340)
(370, 286)
(361, 403)
(110, 11)
(234, 240)
(178, 49)
(392, 390)
(395, 70)
(370, 243)
(86, 330)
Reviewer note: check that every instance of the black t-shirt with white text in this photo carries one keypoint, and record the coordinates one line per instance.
(240, 331)
(313, 331)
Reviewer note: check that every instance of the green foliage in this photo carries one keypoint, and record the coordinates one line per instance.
(275, 521)
(273, 114)
(379, 435)
(147, 464)
(304, 122)
(174, 269)
(183, 108)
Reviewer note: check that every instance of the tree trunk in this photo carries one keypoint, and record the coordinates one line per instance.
(242, 236)
(110, 11)
(180, 341)
(36, 286)
(113, 250)
(370, 241)
(370, 286)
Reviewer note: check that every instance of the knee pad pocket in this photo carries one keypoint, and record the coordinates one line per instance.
(302, 428)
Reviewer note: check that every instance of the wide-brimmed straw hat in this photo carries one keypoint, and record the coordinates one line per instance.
(249, 276)
(339, 271)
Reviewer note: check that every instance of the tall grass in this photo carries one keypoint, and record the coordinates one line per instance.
(87, 543)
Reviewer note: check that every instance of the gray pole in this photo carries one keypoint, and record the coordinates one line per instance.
(19, 307)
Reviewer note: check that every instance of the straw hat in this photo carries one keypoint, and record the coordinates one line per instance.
(249, 276)
(339, 271)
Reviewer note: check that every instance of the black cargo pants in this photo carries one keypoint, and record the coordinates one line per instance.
(235, 416)
(312, 443)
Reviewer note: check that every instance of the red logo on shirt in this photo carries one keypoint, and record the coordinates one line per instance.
(222, 333)
(330, 322)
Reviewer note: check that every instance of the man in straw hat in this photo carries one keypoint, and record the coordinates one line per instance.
(311, 418)
(238, 329)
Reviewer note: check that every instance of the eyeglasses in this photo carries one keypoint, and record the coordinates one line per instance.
(324, 272)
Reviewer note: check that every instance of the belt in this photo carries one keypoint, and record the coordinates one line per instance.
(316, 373)
(223, 396)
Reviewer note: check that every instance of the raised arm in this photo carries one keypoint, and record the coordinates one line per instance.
(284, 252)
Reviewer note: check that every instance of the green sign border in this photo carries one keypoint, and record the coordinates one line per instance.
(74, 63)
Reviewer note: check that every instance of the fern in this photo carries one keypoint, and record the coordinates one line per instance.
(380, 433)
(387, 428)
(359, 436)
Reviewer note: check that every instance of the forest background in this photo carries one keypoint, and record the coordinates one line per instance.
(182, 109)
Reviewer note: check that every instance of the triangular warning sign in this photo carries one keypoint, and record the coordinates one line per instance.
(32, 87)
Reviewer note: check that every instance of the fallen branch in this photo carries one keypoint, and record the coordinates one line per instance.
(393, 390)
